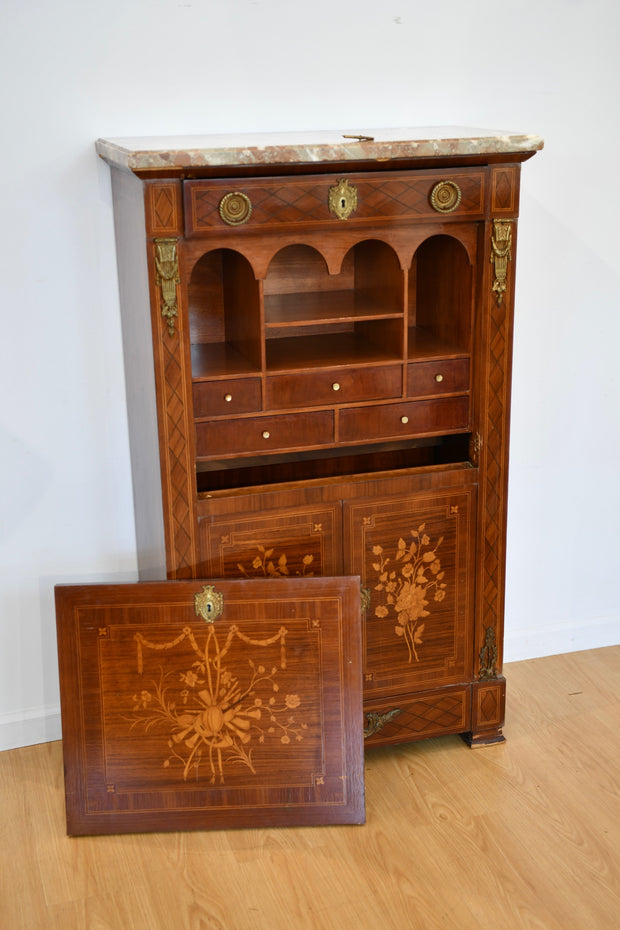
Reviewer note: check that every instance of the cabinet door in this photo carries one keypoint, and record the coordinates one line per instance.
(415, 554)
(289, 543)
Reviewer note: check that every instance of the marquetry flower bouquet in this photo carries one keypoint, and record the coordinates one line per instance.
(209, 716)
(408, 583)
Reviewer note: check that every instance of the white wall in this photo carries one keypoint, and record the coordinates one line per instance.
(78, 69)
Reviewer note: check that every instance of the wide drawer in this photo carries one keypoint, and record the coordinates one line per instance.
(439, 415)
(339, 386)
(264, 434)
(219, 398)
(413, 717)
(444, 376)
(259, 203)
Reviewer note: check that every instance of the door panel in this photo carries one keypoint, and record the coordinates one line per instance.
(414, 554)
(279, 543)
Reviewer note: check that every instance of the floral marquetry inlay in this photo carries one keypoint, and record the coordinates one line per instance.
(265, 563)
(408, 582)
(210, 717)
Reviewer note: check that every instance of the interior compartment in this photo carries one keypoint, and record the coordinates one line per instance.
(313, 318)
(224, 315)
(331, 463)
(440, 299)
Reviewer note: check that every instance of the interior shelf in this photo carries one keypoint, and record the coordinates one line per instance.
(219, 360)
(423, 344)
(324, 351)
(324, 307)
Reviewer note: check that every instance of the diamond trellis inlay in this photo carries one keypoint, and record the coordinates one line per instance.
(488, 705)
(178, 465)
(495, 452)
(431, 714)
(306, 201)
(163, 208)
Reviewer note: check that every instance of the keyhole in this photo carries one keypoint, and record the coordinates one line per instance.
(343, 202)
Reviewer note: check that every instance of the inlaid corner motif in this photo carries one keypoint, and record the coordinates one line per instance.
(167, 267)
(265, 564)
(407, 584)
(211, 719)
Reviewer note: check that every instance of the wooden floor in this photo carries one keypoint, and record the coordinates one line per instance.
(524, 834)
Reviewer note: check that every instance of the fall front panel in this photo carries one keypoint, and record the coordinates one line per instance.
(177, 718)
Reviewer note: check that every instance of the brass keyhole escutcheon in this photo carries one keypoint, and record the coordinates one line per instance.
(342, 199)
(209, 603)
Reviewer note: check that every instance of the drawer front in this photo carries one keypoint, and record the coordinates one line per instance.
(255, 203)
(221, 398)
(444, 376)
(440, 415)
(417, 717)
(341, 386)
(223, 438)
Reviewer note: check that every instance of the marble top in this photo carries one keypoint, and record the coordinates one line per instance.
(151, 153)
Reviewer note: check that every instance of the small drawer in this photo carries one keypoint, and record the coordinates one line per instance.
(444, 376)
(340, 386)
(264, 434)
(219, 398)
(440, 415)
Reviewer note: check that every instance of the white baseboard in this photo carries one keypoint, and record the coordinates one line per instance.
(555, 639)
(30, 726)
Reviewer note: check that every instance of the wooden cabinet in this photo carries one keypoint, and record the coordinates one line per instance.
(327, 325)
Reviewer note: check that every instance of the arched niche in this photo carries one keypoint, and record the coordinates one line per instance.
(374, 270)
(440, 295)
(224, 307)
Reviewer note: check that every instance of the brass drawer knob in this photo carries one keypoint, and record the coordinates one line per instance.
(235, 208)
(438, 378)
(228, 398)
(404, 419)
(445, 196)
(266, 434)
(335, 386)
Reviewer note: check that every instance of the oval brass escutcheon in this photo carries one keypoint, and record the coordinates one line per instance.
(209, 603)
(445, 196)
(235, 208)
(343, 199)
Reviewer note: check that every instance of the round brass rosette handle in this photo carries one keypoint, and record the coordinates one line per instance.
(445, 196)
(235, 208)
